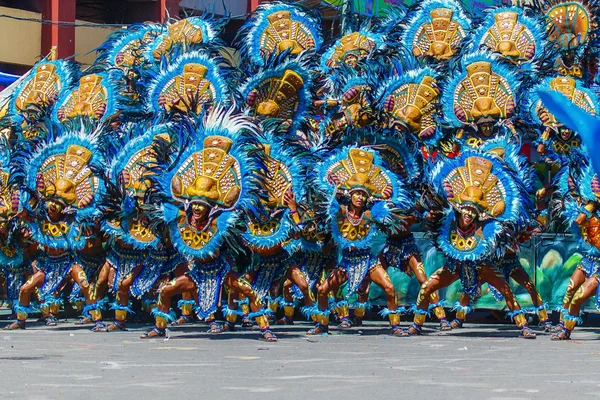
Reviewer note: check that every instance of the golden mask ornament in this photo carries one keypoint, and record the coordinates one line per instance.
(475, 187)
(413, 106)
(189, 91)
(483, 93)
(350, 49)
(358, 172)
(89, 100)
(68, 177)
(285, 33)
(509, 37)
(278, 96)
(440, 36)
(211, 175)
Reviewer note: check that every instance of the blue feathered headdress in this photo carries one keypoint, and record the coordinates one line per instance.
(262, 36)
(459, 93)
(269, 85)
(128, 42)
(529, 43)
(55, 77)
(164, 93)
(98, 97)
(400, 91)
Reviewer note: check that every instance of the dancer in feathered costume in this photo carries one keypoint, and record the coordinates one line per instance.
(558, 143)
(487, 200)
(279, 29)
(124, 50)
(582, 197)
(135, 252)
(34, 98)
(272, 223)
(185, 36)
(509, 263)
(360, 191)
(207, 188)
(437, 30)
(60, 201)
(512, 35)
(480, 100)
(571, 26)
(16, 250)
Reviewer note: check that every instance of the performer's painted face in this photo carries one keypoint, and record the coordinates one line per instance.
(200, 211)
(351, 60)
(466, 219)
(54, 210)
(486, 128)
(358, 198)
(565, 133)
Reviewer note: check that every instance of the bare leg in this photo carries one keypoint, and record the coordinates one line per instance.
(380, 277)
(522, 278)
(335, 279)
(440, 279)
(462, 309)
(35, 281)
(585, 291)
(416, 265)
(495, 278)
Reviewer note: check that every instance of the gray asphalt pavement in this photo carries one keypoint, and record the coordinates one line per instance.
(477, 362)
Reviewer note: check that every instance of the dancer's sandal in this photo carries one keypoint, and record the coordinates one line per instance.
(246, 323)
(345, 324)
(228, 326)
(115, 326)
(397, 330)
(15, 325)
(215, 327)
(153, 333)
(410, 331)
(318, 330)
(445, 325)
(83, 321)
(527, 333)
(99, 326)
(456, 324)
(50, 321)
(561, 335)
(558, 328)
(285, 321)
(546, 326)
(268, 336)
(184, 319)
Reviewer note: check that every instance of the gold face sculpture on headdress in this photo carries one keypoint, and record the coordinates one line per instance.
(180, 32)
(568, 25)
(40, 90)
(483, 94)
(357, 172)
(438, 38)
(475, 187)
(88, 100)
(413, 106)
(350, 49)
(211, 176)
(68, 177)
(508, 37)
(567, 87)
(285, 34)
(277, 97)
(188, 91)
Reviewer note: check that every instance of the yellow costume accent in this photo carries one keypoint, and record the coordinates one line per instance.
(277, 96)
(483, 94)
(413, 105)
(358, 172)
(285, 34)
(438, 38)
(88, 100)
(351, 48)
(567, 87)
(42, 89)
(475, 186)
(188, 91)
(513, 40)
(68, 177)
